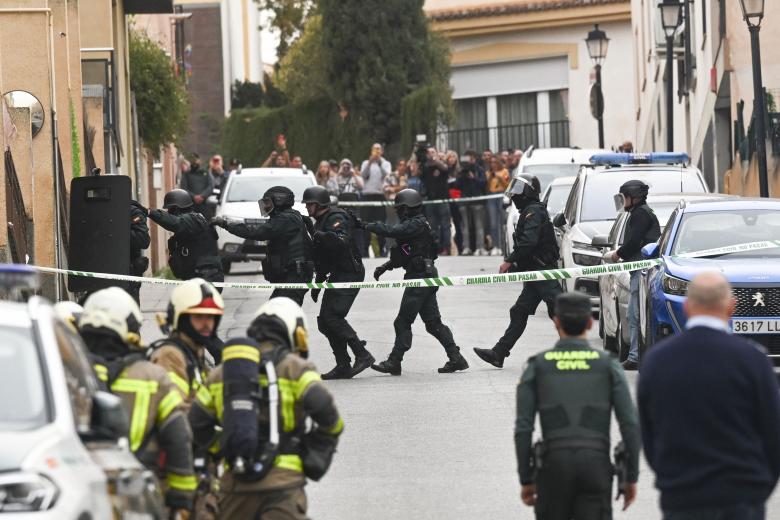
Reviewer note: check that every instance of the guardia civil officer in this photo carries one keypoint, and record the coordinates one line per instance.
(289, 257)
(110, 326)
(193, 250)
(139, 240)
(336, 259)
(414, 251)
(261, 397)
(642, 228)
(535, 248)
(574, 388)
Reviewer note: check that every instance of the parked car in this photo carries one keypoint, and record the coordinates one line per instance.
(547, 165)
(239, 201)
(591, 208)
(754, 274)
(614, 290)
(63, 447)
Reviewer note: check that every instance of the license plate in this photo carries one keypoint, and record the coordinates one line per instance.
(755, 326)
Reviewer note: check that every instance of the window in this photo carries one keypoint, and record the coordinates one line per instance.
(571, 204)
(471, 130)
(517, 126)
(22, 384)
(664, 240)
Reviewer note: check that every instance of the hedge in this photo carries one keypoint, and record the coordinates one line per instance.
(422, 111)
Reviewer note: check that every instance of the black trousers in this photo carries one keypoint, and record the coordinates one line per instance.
(295, 295)
(420, 301)
(575, 484)
(533, 294)
(332, 320)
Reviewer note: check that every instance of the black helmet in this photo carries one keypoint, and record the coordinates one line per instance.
(524, 185)
(634, 189)
(408, 198)
(276, 198)
(316, 195)
(177, 199)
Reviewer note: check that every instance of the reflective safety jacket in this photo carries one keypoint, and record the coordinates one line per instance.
(574, 388)
(184, 361)
(158, 425)
(301, 394)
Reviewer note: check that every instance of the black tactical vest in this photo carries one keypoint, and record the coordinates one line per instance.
(188, 256)
(547, 253)
(574, 391)
(650, 236)
(290, 253)
(415, 252)
(348, 258)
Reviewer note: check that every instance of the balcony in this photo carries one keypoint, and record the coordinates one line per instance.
(551, 134)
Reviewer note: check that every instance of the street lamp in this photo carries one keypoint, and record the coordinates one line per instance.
(598, 43)
(753, 13)
(671, 17)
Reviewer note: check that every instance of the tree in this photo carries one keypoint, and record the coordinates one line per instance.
(162, 103)
(287, 17)
(302, 72)
(391, 53)
(246, 94)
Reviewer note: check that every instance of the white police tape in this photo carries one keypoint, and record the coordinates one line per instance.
(376, 203)
(443, 281)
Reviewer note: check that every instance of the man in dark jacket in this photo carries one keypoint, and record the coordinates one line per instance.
(289, 256)
(192, 250)
(710, 414)
(642, 228)
(471, 183)
(435, 178)
(139, 240)
(415, 251)
(534, 248)
(199, 184)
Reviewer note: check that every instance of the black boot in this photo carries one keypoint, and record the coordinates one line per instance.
(362, 361)
(388, 367)
(454, 364)
(488, 355)
(338, 372)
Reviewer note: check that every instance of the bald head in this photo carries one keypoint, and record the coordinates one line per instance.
(709, 294)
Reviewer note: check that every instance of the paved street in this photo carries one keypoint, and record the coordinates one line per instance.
(424, 445)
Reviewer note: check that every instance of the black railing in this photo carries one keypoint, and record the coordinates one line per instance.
(549, 134)
(16, 217)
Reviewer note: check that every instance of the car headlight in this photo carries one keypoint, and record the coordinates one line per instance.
(675, 286)
(25, 492)
(587, 254)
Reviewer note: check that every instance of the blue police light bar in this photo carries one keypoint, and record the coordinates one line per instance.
(604, 159)
(18, 276)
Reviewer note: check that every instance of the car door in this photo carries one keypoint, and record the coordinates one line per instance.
(648, 279)
(608, 283)
(565, 244)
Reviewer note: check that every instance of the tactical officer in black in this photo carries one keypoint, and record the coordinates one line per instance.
(574, 388)
(336, 259)
(415, 251)
(139, 240)
(534, 248)
(289, 256)
(642, 228)
(192, 250)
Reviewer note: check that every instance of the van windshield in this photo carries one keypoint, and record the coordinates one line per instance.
(251, 189)
(547, 172)
(21, 376)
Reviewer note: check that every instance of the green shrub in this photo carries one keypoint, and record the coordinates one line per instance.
(422, 111)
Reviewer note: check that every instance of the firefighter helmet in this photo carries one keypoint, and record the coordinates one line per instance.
(195, 296)
(287, 318)
(113, 311)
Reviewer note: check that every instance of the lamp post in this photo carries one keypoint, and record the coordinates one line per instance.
(598, 43)
(671, 17)
(753, 13)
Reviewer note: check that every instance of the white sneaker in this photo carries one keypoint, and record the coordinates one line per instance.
(466, 252)
(496, 252)
(481, 252)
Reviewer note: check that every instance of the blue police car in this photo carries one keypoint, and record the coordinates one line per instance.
(713, 227)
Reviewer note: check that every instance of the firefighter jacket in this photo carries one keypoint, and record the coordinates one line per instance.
(158, 424)
(301, 393)
(574, 388)
(185, 363)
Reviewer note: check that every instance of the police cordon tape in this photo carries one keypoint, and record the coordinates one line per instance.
(443, 281)
(376, 203)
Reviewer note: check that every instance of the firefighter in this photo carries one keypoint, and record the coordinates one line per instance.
(110, 326)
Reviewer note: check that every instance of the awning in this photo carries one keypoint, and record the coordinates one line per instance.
(148, 6)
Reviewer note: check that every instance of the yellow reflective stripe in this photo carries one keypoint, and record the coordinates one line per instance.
(304, 381)
(182, 482)
(180, 382)
(216, 390)
(337, 429)
(102, 372)
(241, 352)
(291, 462)
(134, 385)
(143, 391)
(287, 396)
(167, 405)
(202, 394)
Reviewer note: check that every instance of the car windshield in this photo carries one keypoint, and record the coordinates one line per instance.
(251, 189)
(547, 172)
(556, 199)
(715, 229)
(598, 199)
(21, 376)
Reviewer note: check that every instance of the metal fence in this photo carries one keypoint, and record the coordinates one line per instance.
(549, 134)
(16, 216)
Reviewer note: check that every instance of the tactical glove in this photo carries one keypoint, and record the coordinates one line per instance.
(379, 271)
(359, 224)
(219, 221)
(144, 210)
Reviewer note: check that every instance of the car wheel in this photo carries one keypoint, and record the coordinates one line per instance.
(226, 266)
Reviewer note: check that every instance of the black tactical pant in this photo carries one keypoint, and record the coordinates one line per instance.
(422, 301)
(574, 484)
(332, 320)
(533, 294)
(295, 295)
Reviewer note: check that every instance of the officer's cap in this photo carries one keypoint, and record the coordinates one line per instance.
(572, 305)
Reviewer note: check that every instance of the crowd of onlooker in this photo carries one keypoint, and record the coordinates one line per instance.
(478, 225)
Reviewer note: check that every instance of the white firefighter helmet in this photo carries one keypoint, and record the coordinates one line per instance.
(195, 296)
(113, 310)
(289, 314)
(69, 312)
